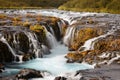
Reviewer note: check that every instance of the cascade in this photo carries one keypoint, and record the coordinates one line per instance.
(45, 49)
(69, 36)
(33, 39)
(15, 42)
(60, 26)
(89, 44)
(20, 57)
(55, 62)
(50, 38)
(52, 31)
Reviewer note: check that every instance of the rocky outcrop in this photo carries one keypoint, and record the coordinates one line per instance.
(103, 73)
(95, 41)
(17, 43)
(82, 35)
(106, 51)
(28, 36)
(5, 54)
(28, 74)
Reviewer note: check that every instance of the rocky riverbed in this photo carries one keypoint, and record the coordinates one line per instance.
(59, 45)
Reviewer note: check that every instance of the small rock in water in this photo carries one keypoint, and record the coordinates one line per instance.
(70, 61)
(60, 78)
(2, 68)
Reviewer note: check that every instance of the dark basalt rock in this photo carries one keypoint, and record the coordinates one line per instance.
(70, 61)
(29, 73)
(19, 31)
(5, 54)
(16, 41)
(23, 42)
(60, 78)
(2, 68)
(28, 56)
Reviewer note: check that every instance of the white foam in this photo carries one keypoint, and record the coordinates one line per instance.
(55, 63)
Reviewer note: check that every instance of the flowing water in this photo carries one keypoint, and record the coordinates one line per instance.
(55, 63)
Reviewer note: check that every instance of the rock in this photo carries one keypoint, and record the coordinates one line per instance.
(2, 68)
(29, 73)
(70, 61)
(5, 54)
(104, 73)
(19, 41)
(28, 56)
(83, 34)
(60, 78)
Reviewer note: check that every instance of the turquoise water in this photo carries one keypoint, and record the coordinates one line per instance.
(54, 63)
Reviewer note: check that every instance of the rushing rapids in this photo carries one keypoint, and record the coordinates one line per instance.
(44, 37)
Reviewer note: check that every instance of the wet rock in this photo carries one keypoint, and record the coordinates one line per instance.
(105, 51)
(29, 73)
(60, 78)
(103, 73)
(20, 41)
(5, 54)
(23, 44)
(70, 61)
(83, 34)
(2, 68)
(28, 56)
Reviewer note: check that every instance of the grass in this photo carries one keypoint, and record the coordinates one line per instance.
(30, 3)
(109, 6)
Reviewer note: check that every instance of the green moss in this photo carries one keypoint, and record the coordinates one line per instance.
(83, 35)
(37, 28)
(40, 31)
(107, 45)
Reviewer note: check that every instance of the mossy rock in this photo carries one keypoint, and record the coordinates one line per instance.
(107, 45)
(83, 35)
(37, 28)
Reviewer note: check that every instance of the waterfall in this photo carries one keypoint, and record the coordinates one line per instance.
(60, 26)
(52, 31)
(33, 39)
(5, 41)
(50, 38)
(45, 49)
(89, 44)
(15, 41)
(69, 36)
(20, 57)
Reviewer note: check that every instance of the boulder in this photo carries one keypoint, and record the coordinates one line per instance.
(60, 78)
(28, 74)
